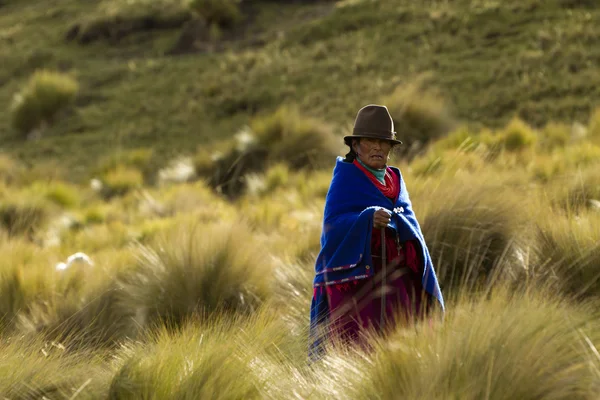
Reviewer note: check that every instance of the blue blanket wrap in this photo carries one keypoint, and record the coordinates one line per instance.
(345, 253)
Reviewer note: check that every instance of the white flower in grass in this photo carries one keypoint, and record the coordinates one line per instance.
(244, 139)
(178, 171)
(78, 258)
(61, 266)
(96, 185)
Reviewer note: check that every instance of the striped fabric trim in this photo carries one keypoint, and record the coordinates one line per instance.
(343, 267)
(353, 278)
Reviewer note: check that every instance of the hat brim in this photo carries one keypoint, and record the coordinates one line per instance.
(348, 139)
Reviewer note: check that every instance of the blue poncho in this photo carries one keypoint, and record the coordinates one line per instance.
(345, 253)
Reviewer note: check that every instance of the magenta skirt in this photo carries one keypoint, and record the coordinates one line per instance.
(356, 307)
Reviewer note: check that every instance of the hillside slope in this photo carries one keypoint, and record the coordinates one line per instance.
(490, 59)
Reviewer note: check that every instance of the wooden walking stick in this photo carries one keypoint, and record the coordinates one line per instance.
(383, 279)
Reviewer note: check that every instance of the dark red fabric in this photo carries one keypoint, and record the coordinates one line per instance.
(391, 189)
(356, 306)
(410, 257)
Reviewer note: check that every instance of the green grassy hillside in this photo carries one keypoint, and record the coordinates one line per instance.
(143, 85)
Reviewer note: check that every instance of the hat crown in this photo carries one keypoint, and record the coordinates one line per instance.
(376, 120)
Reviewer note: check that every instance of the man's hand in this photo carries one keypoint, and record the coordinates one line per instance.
(381, 218)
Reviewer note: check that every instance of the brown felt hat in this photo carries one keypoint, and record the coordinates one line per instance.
(374, 122)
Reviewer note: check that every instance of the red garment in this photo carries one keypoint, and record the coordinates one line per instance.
(391, 189)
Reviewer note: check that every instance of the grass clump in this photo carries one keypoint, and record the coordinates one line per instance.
(34, 369)
(83, 307)
(24, 215)
(580, 155)
(569, 256)
(199, 270)
(562, 163)
(581, 193)
(113, 234)
(12, 297)
(443, 162)
(133, 158)
(285, 136)
(95, 215)
(120, 181)
(555, 135)
(63, 195)
(40, 101)
(517, 136)
(507, 347)
(463, 139)
(196, 198)
(59, 193)
(252, 357)
(197, 362)
(420, 117)
(546, 169)
(142, 159)
(85, 318)
(277, 176)
(475, 238)
(25, 280)
(293, 290)
(293, 138)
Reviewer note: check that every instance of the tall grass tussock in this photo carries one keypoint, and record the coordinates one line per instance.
(583, 192)
(420, 116)
(197, 361)
(38, 104)
(120, 181)
(199, 271)
(21, 215)
(569, 255)
(286, 136)
(517, 136)
(34, 369)
(87, 318)
(510, 346)
(481, 234)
